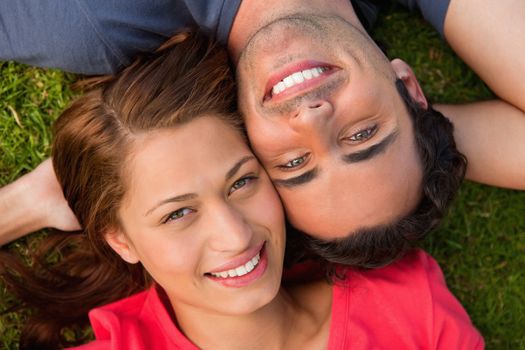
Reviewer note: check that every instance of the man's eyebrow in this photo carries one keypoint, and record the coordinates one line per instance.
(235, 168)
(181, 198)
(372, 151)
(298, 180)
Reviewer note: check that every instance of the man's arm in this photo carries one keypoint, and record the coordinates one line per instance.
(33, 202)
(488, 36)
(491, 134)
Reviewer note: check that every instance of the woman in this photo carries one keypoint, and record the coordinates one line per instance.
(175, 206)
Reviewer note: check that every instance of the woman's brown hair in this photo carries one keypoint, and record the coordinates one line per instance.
(186, 78)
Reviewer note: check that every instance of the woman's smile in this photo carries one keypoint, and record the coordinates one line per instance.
(243, 274)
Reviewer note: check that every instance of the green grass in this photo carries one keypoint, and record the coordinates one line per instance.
(480, 247)
(30, 100)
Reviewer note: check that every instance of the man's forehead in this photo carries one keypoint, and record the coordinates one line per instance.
(335, 209)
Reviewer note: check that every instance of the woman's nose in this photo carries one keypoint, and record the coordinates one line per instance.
(230, 230)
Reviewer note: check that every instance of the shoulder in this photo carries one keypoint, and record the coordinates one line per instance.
(414, 280)
(110, 320)
(100, 36)
(405, 304)
(139, 322)
(406, 281)
(415, 269)
(60, 34)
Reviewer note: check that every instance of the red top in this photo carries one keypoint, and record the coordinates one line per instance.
(405, 305)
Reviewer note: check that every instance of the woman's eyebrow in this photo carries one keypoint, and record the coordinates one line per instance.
(181, 198)
(235, 168)
(188, 196)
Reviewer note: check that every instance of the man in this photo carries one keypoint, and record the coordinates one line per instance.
(340, 145)
(329, 125)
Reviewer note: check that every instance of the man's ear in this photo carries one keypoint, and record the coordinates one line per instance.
(407, 76)
(120, 243)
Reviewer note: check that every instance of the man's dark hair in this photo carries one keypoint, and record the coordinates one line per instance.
(443, 171)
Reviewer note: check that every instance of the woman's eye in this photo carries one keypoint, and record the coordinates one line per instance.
(178, 214)
(241, 183)
(363, 135)
(294, 163)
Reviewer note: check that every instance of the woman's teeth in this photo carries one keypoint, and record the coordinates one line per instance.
(240, 270)
(297, 78)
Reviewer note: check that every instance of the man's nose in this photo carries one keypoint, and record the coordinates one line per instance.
(311, 115)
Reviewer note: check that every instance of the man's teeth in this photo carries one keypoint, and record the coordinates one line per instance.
(297, 78)
(239, 271)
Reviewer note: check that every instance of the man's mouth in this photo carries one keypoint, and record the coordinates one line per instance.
(296, 79)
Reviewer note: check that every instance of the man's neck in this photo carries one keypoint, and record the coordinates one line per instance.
(255, 14)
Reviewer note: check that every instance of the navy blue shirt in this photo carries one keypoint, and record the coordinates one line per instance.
(102, 36)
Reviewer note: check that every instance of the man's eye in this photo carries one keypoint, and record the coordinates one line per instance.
(363, 135)
(294, 163)
(178, 214)
(241, 183)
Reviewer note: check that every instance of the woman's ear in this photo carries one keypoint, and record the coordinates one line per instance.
(120, 243)
(407, 76)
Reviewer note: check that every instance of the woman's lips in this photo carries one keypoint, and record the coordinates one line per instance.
(240, 276)
(239, 270)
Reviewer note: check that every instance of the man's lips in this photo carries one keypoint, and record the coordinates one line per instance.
(296, 78)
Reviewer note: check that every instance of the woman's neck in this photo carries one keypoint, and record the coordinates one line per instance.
(290, 319)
